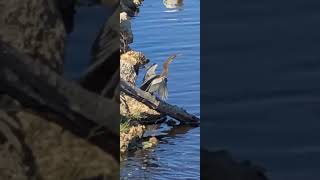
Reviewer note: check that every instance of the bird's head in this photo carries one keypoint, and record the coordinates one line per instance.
(171, 58)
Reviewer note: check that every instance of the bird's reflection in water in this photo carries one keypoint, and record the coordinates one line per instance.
(174, 132)
(173, 4)
(177, 131)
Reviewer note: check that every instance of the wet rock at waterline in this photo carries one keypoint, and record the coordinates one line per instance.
(129, 137)
(153, 141)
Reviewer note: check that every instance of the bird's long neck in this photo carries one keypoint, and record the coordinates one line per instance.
(165, 67)
(165, 70)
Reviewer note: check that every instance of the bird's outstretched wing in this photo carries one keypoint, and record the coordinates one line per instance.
(154, 85)
(145, 85)
(151, 72)
(163, 90)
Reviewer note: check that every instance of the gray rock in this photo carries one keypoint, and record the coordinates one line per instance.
(36, 28)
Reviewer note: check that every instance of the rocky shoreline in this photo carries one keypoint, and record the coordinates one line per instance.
(130, 63)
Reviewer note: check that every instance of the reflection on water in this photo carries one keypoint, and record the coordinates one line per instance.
(172, 4)
(160, 32)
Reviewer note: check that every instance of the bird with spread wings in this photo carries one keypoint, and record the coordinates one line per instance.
(154, 83)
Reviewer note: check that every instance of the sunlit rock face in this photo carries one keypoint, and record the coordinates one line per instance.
(172, 4)
(130, 64)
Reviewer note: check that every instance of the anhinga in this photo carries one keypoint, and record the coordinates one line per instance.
(153, 83)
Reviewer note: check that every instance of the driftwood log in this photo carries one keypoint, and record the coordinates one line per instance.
(36, 86)
(155, 103)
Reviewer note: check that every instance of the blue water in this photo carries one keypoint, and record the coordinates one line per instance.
(160, 32)
(263, 102)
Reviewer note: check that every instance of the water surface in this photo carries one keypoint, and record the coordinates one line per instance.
(160, 32)
(263, 102)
